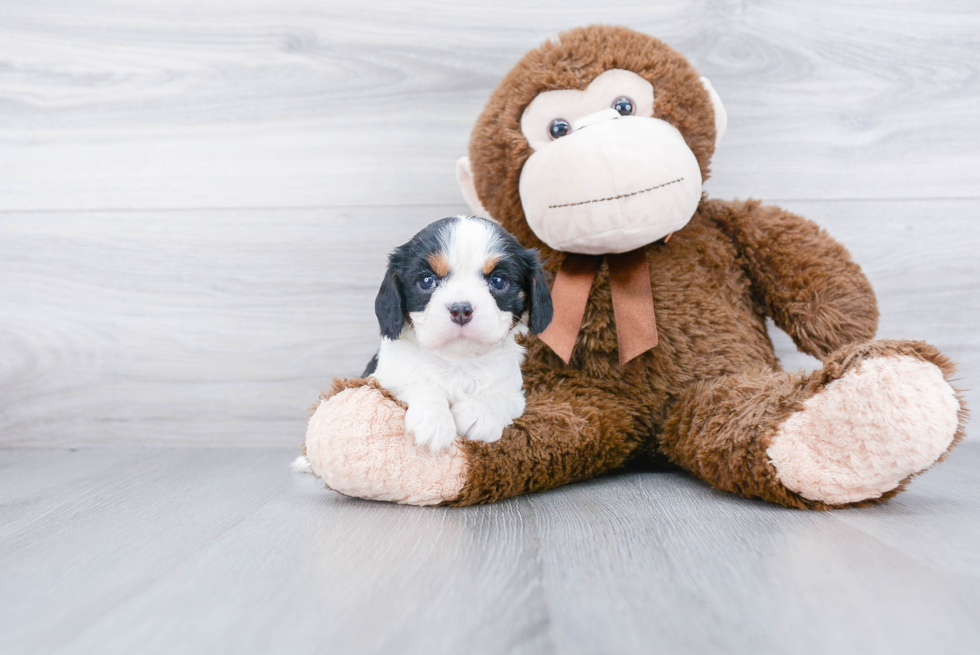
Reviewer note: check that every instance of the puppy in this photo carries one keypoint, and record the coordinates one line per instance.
(451, 305)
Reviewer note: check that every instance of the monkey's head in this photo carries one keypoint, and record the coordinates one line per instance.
(595, 143)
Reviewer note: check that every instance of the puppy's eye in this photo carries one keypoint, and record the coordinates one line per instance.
(498, 282)
(428, 282)
(624, 106)
(559, 128)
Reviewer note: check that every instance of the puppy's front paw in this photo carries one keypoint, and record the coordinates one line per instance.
(431, 425)
(477, 421)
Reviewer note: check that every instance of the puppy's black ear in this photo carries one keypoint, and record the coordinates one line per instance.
(538, 295)
(389, 306)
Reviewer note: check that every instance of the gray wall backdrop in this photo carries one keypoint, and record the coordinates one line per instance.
(196, 198)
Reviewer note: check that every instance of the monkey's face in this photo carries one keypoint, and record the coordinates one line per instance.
(597, 142)
(605, 175)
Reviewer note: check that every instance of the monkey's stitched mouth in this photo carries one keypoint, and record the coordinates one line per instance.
(622, 195)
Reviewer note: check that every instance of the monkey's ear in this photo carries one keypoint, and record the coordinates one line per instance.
(464, 174)
(721, 116)
(388, 306)
(540, 311)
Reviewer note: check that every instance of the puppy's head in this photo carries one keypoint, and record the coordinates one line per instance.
(465, 283)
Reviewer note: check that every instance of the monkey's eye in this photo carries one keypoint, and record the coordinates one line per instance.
(498, 282)
(428, 282)
(559, 128)
(624, 106)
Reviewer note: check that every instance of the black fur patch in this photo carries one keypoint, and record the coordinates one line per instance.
(528, 288)
(371, 367)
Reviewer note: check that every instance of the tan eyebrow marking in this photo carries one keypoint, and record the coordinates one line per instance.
(437, 261)
(491, 264)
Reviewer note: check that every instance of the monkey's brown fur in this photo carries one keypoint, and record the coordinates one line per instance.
(711, 395)
(498, 149)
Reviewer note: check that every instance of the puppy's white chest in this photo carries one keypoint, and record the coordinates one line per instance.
(475, 397)
(463, 382)
(408, 370)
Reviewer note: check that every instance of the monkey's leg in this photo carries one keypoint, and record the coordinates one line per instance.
(852, 432)
(356, 443)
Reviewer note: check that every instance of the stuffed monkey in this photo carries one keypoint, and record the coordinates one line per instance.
(593, 149)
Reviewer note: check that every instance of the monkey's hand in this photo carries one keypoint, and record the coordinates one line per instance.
(356, 442)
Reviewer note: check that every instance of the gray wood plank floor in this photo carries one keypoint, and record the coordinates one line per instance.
(224, 550)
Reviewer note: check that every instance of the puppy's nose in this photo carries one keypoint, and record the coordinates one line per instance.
(461, 312)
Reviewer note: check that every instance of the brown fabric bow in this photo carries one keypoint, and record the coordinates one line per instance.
(632, 300)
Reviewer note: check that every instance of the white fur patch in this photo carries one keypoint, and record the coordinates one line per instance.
(467, 244)
(886, 419)
(435, 384)
(301, 465)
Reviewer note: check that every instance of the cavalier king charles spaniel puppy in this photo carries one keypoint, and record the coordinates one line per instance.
(452, 303)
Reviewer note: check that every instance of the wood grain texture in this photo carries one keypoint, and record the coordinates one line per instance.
(223, 550)
(297, 103)
(196, 199)
(220, 328)
(711, 573)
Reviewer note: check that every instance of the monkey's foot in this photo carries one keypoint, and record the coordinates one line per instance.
(356, 443)
(880, 420)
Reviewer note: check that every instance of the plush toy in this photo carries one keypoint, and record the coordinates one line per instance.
(593, 149)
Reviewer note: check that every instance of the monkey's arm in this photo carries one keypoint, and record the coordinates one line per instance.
(804, 279)
(565, 435)
(356, 443)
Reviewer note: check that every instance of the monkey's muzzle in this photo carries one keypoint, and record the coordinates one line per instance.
(613, 185)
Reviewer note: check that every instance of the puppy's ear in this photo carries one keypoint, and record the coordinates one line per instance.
(389, 307)
(538, 295)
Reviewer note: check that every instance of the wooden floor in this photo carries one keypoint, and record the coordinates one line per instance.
(224, 550)
(196, 200)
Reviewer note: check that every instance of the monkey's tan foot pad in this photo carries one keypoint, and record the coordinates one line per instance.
(867, 432)
(356, 443)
